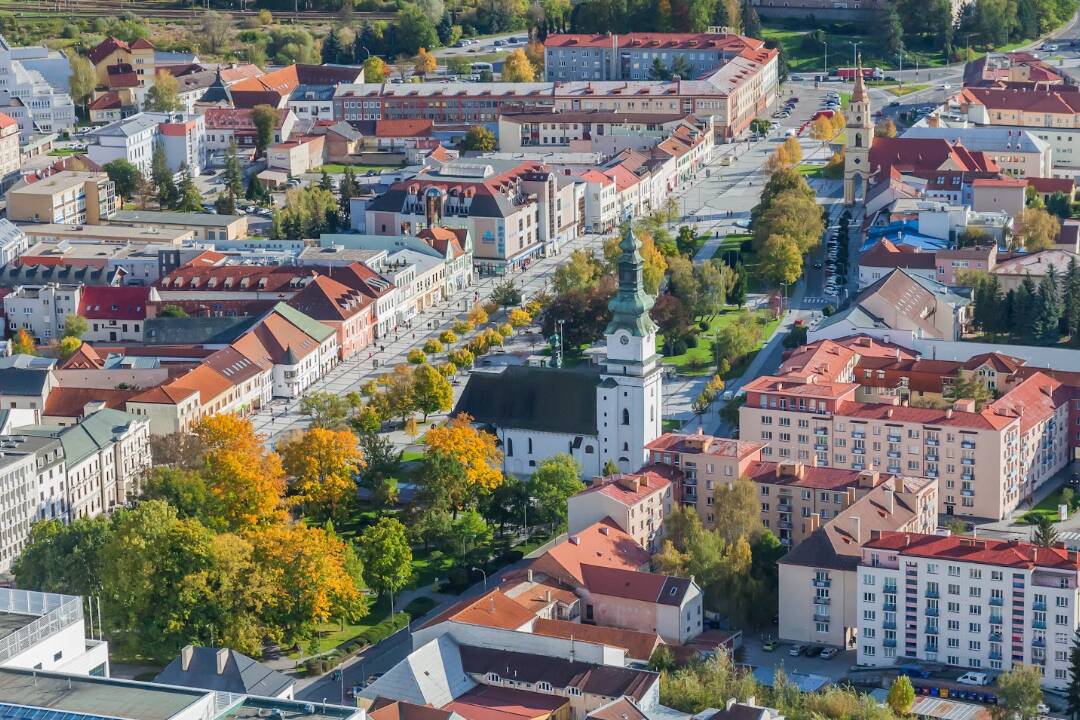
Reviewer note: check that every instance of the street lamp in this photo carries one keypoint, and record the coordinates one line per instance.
(901, 71)
(855, 52)
(826, 44)
(481, 570)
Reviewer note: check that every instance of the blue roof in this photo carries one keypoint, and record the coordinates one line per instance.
(903, 231)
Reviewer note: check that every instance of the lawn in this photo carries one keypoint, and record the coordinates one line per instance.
(65, 152)
(730, 243)
(1047, 508)
(338, 168)
(812, 59)
(671, 425)
(901, 90)
(428, 569)
(332, 634)
(699, 360)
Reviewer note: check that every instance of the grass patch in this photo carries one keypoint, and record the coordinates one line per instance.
(699, 360)
(731, 244)
(64, 152)
(671, 425)
(1047, 508)
(900, 91)
(811, 171)
(339, 168)
(428, 567)
(411, 455)
(376, 626)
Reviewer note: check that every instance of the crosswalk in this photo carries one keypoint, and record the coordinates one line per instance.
(818, 300)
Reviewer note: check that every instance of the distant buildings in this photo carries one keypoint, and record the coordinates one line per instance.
(182, 138)
(33, 90)
(69, 197)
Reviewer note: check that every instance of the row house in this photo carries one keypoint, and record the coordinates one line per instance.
(983, 604)
(348, 311)
(225, 126)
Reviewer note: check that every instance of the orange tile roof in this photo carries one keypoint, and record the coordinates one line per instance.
(170, 394)
(209, 383)
(1006, 553)
(492, 609)
(603, 543)
(629, 488)
(638, 645)
(1033, 400)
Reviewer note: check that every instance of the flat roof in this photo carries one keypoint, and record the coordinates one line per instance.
(119, 232)
(11, 622)
(94, 696)
(249, 710)
(174, 218)
(59, 182)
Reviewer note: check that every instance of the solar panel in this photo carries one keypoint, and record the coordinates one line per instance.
(22, 712)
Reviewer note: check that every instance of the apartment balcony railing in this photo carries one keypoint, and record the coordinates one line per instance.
(967, 444)
(894, 438)
(932, 593)
(821, 582)
(997, 601)
(1038, 605)
(822, 601)
(932, 612)
(933, 442)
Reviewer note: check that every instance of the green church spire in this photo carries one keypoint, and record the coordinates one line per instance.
(631, 304)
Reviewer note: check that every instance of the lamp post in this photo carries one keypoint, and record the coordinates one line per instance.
(901, 71)
(481, 571)
(826, 44)
(855, 52)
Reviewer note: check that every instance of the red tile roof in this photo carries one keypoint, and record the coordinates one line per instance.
(327, 299)
(1034, 100)
(490, 702)
(6, 121)
(70, 402)
(983, 420)
(801, 475)
(492, 609)
(404, 128)
(1005, 553)
(170, 394)
(209, 383)
(105, 302)
(657, 40)
(638, 645)
(108, 101)
(603, 543)
(1052, 185)
(629, 488)
(633, 584)
(1033, 400)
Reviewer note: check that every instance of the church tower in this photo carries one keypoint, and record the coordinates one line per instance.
(860, 136)
(630, 396)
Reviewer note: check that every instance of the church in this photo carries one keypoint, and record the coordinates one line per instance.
(859, 136)
(609, 410)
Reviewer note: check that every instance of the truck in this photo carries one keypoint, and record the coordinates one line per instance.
(868, 73)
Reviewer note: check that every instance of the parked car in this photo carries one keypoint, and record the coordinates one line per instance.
(1043, 709)
(829, 653)
(974, 678)
(769, 644)
(796, 650)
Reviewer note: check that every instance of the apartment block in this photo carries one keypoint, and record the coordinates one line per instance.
(969, 602)
(41, 309)
(68, 197)
(636, 502)
(34, 90)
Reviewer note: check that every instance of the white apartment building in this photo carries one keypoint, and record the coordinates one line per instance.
(968, 602)
(18, 491)
(46, 631)
(41, 309)
(13, 242)
(27, 95)
(182, 137)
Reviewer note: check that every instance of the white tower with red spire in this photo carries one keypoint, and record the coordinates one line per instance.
(860, 136)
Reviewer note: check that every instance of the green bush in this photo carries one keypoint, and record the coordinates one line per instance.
(386, 628)
(691, 341)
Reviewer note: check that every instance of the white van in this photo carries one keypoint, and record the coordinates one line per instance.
(974, 678)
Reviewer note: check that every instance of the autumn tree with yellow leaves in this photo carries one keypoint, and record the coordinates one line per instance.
(321, 465)
(461, 461)
(245, 478)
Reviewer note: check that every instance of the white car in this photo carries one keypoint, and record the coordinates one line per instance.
(1043, 709)
(829, 653)
(974, 678)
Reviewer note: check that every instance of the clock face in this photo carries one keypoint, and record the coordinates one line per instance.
(624, 339)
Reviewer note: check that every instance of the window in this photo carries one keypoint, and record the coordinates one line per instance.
(492, 677)
(573, 692)
(625, 417)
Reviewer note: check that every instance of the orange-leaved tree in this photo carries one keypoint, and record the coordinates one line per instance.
(245, 478)
(321, 464)
(470, 452)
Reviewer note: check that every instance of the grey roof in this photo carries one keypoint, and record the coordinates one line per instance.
(28, 382)
(533, 398)
(14, 274)
(154, 217)
(241, 674)
(96, 432)
(982, 139)
(129, 126)
(345, 130)
(196, 330)
(27, 361)
(430, 675)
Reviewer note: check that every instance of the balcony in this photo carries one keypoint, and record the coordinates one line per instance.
(967, 461)
(889, 589)
(967, 493)
(785, 525)
(995, 619)
(894, 454)
(1038, 605)
(821, 617)
(821, 432)
(932, 457)
(932, 629)
(1038, 642)
(995, 637)
(1038, 624)
(889, 643)
(889, 624)
(932, 612)
(894, 438)
(932, 442)
(889, 607)
(784, 508)
(931, 473)
(995, 655)
(858, 434)
(821, 446)
(932, 593)
(858, 451)
(821, 582)
(822, 601)
(998, 601)
(967, 444)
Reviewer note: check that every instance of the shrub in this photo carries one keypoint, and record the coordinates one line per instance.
(704, 325)
(416, 356)
(691, 341)
(678, 347)
(433, 346)
(461, 327)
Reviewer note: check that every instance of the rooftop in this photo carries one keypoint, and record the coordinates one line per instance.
(983, 551)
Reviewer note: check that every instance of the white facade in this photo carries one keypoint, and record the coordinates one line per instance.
(13, 242)
(41, 309)
(28, 97)
(53, 636)
(18, 491)
(969, 614)
(629, 399)
(182, 137)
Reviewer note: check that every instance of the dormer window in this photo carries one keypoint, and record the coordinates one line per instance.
(573, 692)
(492, 677)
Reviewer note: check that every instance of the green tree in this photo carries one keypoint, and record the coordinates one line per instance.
(658, 70)
(740, 287)
(1019, 692)
(189, 199)
(1038, 229)
(375, 70)
(556, 479)
(781, 262)
(327, 410)
(387, 557)
(414, 30)
(1071, 301)
(162, 177)
(83, 79)
(75, 326)
(173, 311)
(164, 94)
(331, 48)
(506, 294)
(233, 174)
(64, 558)
(478, 139)
(901, 696)
(224, 205)
(265, 118)
(1044, 534)
(1047, 328)
(687, 241)
(610, 468)
(68, 346)
(431, 391)
(737, 339)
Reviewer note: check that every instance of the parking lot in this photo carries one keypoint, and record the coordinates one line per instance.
(835, 668)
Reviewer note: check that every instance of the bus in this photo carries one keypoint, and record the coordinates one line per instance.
(478, 67)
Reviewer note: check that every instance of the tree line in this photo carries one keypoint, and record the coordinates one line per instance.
(1039, 313)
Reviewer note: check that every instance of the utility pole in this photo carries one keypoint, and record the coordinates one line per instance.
(855, 52)
(826, 44)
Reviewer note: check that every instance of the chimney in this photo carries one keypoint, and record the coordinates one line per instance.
(575, 540)
(964, 405)
(948, 413)
(889, 413)
(730, 704)
(222, 660)
(530, 575)
(185, 657)
(889, 500)
(547, 595)
(875, 534)
(856, 529)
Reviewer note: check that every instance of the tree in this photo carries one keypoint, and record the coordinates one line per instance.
(473, 450)
(750, 21)
(327, 410)
(735, 506)
(781, 261)
(83, 79)
(478, 139)
(75, 326)
(266, 119)
(233, 174)
(172, 311)
(822, 129)
(610, 468)
(331, 48)
(216, 31)
(737, 294)
(901, 696)
(414, 30)
(424, 64)
(892, 31)
(64, 557)
(687, 241)
(1019, 692)
(1047, 328)
(375, 70)
(189, 199)
(1038, 230)
(517, 68)
(247, 481)
(431, 391)
(556, 480)
(885, 128)
(1044, 534)
(163, 178)
(658, 70)
(164, 94)
(384, 548)
(519, 318)
(736, 340)
(68, 346)
(23, 343)
(1071, 301)
(321, 464)
(506, 294)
